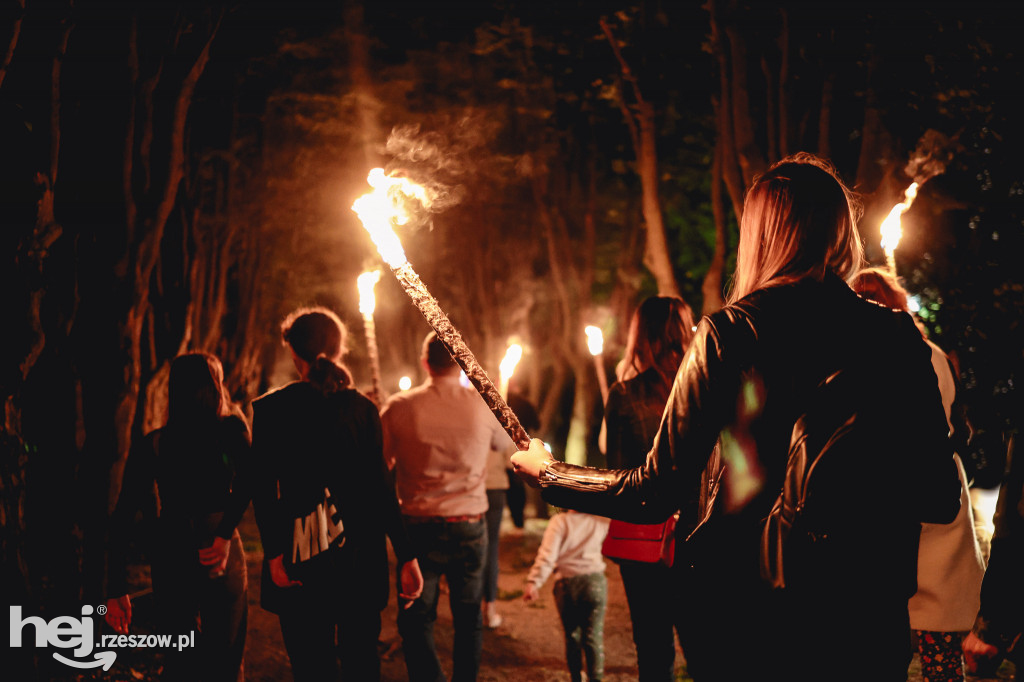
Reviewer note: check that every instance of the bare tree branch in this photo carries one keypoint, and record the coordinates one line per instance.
(13, 43)
(627, 74)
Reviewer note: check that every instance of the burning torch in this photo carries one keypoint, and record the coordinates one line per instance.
(508, 366)
(379, 210)
(595, 342)
(892, 229)
(367, 303)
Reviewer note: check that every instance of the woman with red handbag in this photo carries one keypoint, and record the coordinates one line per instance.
(659, 333)
(724, 440)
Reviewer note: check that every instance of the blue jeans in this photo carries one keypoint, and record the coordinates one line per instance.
(581, 602)
(495, 509)
(456, 551)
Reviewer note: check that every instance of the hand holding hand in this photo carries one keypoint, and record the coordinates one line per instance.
(216, 555)
(530, 593)
(119, 614)
(411, 580)
(530, 464)
(975, 650)
(278, 575)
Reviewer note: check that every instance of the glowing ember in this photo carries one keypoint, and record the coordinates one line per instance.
(365, 284)
(595, 339)
(892, 229)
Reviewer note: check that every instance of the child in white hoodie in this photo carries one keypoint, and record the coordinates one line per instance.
(571, 549)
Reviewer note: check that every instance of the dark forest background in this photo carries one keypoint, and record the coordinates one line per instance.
(177, 176)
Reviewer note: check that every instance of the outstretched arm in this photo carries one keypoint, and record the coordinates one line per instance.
(702, 402)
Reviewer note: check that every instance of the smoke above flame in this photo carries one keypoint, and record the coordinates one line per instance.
(934, 151)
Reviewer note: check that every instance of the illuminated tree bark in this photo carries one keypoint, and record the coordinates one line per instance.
(640, 119)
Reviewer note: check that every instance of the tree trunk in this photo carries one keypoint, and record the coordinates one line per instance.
(825, 117)
(723, 117)
(750, 159)
(147, 227)
(876, 143)
(643, 131)
(712, 286)
(656, 254)
(771, 124)
(784, 87)
(12, 43)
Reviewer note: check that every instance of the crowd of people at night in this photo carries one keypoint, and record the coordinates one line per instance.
(700, 427)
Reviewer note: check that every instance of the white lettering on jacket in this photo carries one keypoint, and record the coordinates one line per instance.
(317, 531)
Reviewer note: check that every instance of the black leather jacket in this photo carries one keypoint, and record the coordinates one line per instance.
(748, 374)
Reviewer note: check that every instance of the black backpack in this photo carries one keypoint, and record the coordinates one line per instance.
(828, 439)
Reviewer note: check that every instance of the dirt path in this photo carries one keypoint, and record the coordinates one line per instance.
(527, 647)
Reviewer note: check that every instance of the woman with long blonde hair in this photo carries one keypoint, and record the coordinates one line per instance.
(721, 453)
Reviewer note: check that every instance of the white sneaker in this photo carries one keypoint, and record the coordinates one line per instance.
(492, 619)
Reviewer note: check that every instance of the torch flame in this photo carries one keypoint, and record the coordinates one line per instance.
(384, 207)
(595, 340)
(508, 365)
(365, 283)
(892, 229)
(509, 362)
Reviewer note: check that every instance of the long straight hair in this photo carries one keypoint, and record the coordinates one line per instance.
(660, 331)
(195, 390)
(799, 220)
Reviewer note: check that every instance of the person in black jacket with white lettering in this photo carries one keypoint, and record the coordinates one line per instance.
(324, 504)
(721, 452)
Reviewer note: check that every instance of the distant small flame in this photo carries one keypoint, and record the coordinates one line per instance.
(512, 357)
(383, 208)
(595, 340)
(365, 283)
(513, 354)
(892, 229)
(405, 383)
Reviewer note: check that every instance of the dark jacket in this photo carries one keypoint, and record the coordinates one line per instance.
(632, 416)
(746, 378)
(190, 483)
(306, 445)
(1000, 621)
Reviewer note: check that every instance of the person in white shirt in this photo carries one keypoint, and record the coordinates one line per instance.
(437, 437)
(571, 549)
